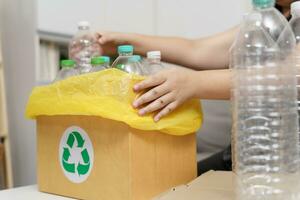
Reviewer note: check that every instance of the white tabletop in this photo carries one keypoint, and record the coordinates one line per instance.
(28, 192)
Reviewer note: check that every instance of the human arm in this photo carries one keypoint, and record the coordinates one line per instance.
(199, 54)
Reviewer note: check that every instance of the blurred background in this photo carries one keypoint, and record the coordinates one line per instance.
(35, 35)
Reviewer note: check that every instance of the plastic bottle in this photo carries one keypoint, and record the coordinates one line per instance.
(100, 63)
(153, 64)
(126, 61)
(264, 116)
(67, 70)
(83, 47)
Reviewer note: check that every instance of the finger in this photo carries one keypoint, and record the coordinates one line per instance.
(157, 104)
(151, 95)
(97, 35)
(103, 37)
(149, 82)
(166, 110)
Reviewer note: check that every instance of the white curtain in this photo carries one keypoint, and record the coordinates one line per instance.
(3, 123)
(49, 62)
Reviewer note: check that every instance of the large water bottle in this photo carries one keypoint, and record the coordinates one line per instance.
(100, 63)
(153, 63)
(264, 116)
(126, 61)
(67, 70)
(83, 47)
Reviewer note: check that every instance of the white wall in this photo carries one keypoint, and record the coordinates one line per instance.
(192, 18)
(18, 20)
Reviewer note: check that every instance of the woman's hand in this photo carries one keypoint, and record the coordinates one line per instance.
(109, 41)
(166, 91)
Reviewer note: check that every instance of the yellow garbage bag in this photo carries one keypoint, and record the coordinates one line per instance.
(108, 94)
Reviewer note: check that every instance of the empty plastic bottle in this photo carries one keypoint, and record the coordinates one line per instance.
(153, 64)
(127, 62)
(265, 121)
(67, 70)
(100, 63)
(83, 47)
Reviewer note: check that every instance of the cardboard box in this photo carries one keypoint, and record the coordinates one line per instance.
(213, 185)
(95, 158)
(2, 166)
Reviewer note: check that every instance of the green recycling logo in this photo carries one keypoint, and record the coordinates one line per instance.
(76, 154)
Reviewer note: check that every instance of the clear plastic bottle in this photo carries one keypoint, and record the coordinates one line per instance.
(264, 116)
(100, 63)
(67, 70)
(83, 47)
(153, 64)
(126, 61)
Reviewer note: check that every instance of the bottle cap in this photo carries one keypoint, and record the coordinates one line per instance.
(106, 59)
(67, 63)
(263, 3)
(100, 60)
(83, 24)
(125, 49)
(295, 8)
(154, 54)
(97, 61)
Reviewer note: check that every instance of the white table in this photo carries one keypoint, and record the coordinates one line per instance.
(28, 192)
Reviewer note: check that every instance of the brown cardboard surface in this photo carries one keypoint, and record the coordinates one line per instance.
(2, 167)
(128, 164)
(213, 185)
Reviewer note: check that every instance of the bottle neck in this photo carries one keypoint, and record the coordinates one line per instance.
(126, 53)
(67, 67)
(100, 64)
(83, 28)
(259, 8)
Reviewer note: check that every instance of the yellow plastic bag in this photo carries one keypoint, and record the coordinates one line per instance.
(109, 94)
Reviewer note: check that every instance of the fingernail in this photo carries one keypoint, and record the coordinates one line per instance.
(156, 119)
(141, 112)
(135, 104)
(135, 87)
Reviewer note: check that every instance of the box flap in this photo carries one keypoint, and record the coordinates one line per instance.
(213, 185)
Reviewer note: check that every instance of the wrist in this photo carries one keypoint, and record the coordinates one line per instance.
(194, 84)
(137, 40)
(129, 38)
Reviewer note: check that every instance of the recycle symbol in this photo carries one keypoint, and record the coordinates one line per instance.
(80, 168)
